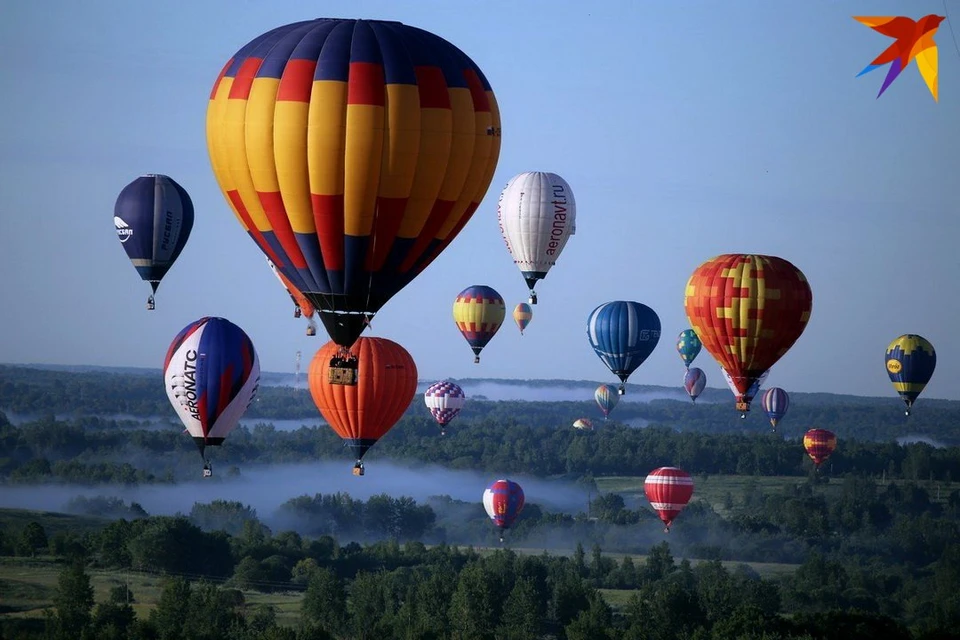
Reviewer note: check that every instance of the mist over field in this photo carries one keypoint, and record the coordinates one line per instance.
(267, 487)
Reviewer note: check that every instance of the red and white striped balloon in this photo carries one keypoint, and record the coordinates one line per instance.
(668, 489)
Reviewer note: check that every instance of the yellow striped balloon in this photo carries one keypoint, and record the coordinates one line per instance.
(353, 152)
(479, 311)
(522, 315)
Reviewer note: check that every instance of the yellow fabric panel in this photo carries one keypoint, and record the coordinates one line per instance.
(461, 157)
(293, 172)
(436, 127)
(483, 144)
(258, 134)
(461, 150)
(235, 153)
(361, 167)
(327, 136)
(494, 154)
(402, 140)
(215, 114)
(479, 313)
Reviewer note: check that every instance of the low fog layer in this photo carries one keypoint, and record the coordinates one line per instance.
(267, 487)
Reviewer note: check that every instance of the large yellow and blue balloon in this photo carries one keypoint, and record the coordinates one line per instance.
(623, 334)
(478, 311)
(353, 152)
(910, 361)
(153, 216)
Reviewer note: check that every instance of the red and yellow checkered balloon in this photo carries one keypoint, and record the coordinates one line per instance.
(747, 310)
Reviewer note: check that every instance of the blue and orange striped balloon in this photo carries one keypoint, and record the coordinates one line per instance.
(910, 362)
(478, 311)
(353, 152)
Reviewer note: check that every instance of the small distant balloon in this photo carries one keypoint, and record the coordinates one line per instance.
(478, 311)
(775, 403)
(444, 400)
(503, 501)
(607, 398)
(522, 315)
(668, 489)
(583, 424)
(694, 381)
(688, 346)
(153, 216)
(910, 362)
(819, 444)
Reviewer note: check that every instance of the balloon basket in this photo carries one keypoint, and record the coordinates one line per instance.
(297, 312)
(358, 469)
(151, 304)
(311, 331)
(743, 407)
(207, 471)
(342, 371)
(476, 360)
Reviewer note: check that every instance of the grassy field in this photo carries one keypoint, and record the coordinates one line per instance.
(27, 587)
(714, 489)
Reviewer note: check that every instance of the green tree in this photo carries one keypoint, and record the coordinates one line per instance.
(33, 539)
(593, 623)
(73, 602)
(172, 610)
(521, 618)
(113, 620)
(324, 604)
(473, 605)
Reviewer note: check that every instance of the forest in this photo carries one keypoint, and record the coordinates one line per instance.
(770, 547)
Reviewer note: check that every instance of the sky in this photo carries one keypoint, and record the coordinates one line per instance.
(685, 129)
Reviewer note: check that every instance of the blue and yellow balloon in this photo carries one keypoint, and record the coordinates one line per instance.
(910, 361)
(478, 311)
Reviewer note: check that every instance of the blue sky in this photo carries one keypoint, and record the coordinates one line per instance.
(686, 130)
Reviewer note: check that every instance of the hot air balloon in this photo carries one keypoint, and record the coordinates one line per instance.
(819, 444)
(478, 311)
(522, 315)
(668, 489)
(537, 215)
(211, 373)
(688, 346)
(301, 306)
(363, 413)
(751, 392)
(775, 402)
(910, 361)
(353, 152)
(503, 501)
(607, 398)
(747, 310)
(153, 216)
(583, 424)
(444, 400)
(694, 380)
(623, 334)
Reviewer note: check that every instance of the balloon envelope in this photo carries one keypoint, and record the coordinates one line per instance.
(301, 305)
(353, 152)
(694, 381)
(668, 489)
(775, 403)
(583, 424)
(444, 400)
(153, 216)
(537, 214)
(747, 310)
(623, 334)
(522, 315)
(362, 413)
(688, 346)
(211, 372)
(503, 501)
(478, 311)
(910, 362)
(819, 444)
(607, 398)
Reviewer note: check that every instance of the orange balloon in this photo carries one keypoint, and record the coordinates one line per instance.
(747, 310)
(363, 413)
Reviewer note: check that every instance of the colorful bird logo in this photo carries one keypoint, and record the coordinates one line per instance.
(914, 41)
